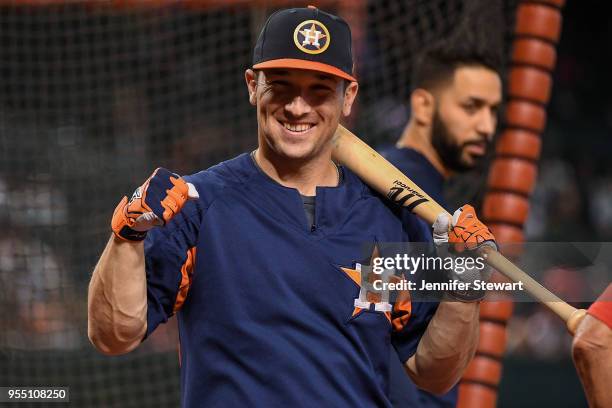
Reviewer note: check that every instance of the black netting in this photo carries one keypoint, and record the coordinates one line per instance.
(94, 97)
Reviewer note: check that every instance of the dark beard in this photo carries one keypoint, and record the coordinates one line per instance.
(449, 151)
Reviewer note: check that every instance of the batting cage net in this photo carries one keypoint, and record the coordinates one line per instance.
(96, 94)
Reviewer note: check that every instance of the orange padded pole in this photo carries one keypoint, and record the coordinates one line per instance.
(512, 177)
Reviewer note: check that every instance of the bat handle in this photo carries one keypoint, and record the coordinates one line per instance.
(573, 321)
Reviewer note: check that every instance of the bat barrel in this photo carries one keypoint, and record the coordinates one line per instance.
(536, 290)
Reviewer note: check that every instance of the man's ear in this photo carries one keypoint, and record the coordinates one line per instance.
(422, 103)
(250, 77)
(350, 93)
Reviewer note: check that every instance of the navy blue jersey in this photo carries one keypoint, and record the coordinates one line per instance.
(266, 313)
(414, 165)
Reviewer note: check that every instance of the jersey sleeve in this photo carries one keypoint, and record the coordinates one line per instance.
(602, 307)
(170, 256)
(411, 316)
(410, 320)
(415, 228)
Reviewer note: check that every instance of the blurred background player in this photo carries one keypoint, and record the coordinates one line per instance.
(457, 90)
(592, 351)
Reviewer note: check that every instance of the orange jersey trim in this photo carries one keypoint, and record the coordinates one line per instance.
(402, 310)
(186, 276)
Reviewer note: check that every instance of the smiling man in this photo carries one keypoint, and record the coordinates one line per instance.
(297, 114)
(258, 256)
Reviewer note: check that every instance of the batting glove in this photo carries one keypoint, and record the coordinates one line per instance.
(154, 203)
(464, 232)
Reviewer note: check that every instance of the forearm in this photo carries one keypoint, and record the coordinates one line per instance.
(446, 348)
(117, 301)
(592, 353)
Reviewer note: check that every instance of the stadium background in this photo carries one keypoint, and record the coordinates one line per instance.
(95, 94)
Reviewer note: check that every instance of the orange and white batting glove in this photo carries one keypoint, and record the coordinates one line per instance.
(468, 232)
(154, 203)
(464, 232)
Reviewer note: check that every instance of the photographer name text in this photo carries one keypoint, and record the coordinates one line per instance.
(450, 285)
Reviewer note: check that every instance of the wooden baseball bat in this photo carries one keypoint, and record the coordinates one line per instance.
(378, 173)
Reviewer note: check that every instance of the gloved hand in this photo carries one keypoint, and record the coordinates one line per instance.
(154, 203)
(465, 232)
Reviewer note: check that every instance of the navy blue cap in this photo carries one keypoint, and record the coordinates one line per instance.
(305, 38)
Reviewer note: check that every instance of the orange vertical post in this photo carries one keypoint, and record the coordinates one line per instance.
(512, 177)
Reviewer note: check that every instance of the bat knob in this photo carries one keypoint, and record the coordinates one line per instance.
(574, 320)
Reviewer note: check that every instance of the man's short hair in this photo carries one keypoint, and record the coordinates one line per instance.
(438, 63)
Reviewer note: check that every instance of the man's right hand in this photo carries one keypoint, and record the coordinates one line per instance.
(463, 234)
(154, 203)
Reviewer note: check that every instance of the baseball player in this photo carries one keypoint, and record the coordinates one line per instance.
(592, 351)
(456, 93)
(260, 256)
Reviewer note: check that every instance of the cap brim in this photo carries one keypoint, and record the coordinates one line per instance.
(304, 64)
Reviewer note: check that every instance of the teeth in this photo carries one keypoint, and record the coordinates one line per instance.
(297, 127)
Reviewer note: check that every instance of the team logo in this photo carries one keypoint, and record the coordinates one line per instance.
(311, 36)
(367, 279)
(364, 276)
(399, 188)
